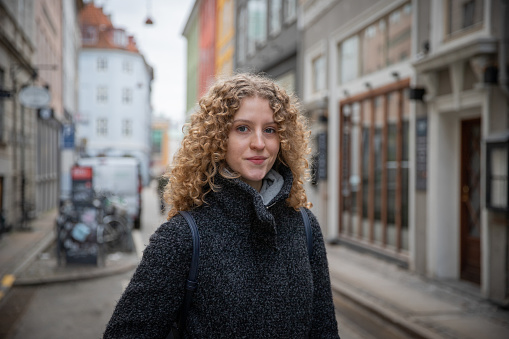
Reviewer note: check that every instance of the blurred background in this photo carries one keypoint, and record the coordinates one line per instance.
(407, 102)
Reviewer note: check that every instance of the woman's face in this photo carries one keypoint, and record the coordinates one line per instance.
(253, 142)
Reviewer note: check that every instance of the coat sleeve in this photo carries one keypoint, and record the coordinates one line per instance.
(324, 323)
(150, 303)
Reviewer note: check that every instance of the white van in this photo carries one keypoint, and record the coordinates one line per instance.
(120, 176)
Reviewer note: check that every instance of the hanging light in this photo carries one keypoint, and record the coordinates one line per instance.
(149, 21)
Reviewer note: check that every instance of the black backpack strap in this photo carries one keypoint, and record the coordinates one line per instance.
(193, 272)
(309, 231)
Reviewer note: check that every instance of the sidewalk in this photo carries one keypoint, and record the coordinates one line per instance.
(422, 308)
(28, 258)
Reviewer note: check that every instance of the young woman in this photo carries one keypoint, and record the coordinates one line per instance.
(240, 173)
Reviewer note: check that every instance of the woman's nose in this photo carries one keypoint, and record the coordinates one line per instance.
(257, 141)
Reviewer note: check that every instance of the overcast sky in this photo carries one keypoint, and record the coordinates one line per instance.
(162, 45)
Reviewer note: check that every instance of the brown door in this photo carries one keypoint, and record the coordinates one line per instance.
(470, 200)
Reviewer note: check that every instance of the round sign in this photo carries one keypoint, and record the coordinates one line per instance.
(34, 97)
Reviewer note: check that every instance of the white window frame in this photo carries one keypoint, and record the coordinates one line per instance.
(317, 50)
(102, 64)
(127, 127)
(102, 94)
(127, 66)
(101, 128)
(127, 96)
(275, 17)
(289, 11)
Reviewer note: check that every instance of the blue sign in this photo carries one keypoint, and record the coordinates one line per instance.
(68, 136)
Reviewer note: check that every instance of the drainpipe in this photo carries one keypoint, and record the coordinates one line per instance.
(502, 55)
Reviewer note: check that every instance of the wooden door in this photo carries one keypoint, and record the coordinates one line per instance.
(470, 204)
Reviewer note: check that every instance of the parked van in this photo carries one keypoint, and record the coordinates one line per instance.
(120, 176)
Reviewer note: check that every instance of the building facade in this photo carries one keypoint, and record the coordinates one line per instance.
(71, 44)
(115, 92)
(34, 53)
(404, 98)
(17, 123)
(267, 40)
(192, 34)
(225, 42)
(463, 70)
(48, 59)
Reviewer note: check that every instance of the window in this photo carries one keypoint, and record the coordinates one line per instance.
(275, 17)
(374, 169)
(157, 139)
(102, 127)
(374, 48)
(241, 37)
(290, 10)
(127, 96)
(119, 38)
(102, 94)
(399, 37)
(349, 59)
(318, 76)
(2, 105)
(127, 127)
(102, 64)
(468, 14)
(463, 15)
(384, 42)
(127, 66)
(287, 81)
(89, 34)
(257, 23)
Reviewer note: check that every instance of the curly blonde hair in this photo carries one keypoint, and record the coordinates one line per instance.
(203, 149)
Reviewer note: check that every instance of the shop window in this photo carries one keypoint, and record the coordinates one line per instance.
(374, 170)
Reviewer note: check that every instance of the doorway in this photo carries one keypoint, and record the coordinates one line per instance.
(470, 201)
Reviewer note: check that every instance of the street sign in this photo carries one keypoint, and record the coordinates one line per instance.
(68, 136)
(34, 97)
(5, 93)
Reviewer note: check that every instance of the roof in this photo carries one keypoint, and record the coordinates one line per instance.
(99, 32)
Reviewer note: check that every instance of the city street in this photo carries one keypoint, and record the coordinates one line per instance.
(78, 309)
(81, 309)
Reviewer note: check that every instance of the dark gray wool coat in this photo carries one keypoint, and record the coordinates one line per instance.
(255, 279)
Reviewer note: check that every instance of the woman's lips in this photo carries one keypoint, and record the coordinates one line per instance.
(257, 160)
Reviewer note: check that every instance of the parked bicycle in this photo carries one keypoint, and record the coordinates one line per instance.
(87, 232)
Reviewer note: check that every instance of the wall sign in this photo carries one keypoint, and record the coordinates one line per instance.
(421, 148)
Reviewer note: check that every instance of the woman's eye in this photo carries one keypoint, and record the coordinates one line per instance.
(270, 130)
(242, 129)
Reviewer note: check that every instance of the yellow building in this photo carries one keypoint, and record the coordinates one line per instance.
(225, 37)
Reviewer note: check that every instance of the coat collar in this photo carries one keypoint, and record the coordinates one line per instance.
(240, 202)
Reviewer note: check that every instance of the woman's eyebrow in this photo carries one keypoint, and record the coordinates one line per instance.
(250, 122)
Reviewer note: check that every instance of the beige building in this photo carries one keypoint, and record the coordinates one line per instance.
(409, 104)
